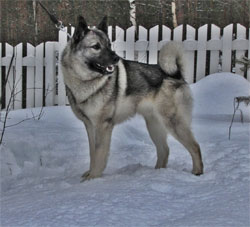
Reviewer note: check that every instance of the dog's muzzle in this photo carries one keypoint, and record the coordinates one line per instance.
(105, 69)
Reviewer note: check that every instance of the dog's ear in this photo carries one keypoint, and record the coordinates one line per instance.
(103, 25)
(81, 28)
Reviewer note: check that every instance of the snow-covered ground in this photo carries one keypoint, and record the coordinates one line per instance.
(42, 161)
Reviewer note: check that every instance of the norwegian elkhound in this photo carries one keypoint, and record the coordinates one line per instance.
(104, 90)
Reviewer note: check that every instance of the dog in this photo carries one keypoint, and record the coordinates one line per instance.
(105, 90)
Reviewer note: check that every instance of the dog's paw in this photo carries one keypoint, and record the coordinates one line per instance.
(88, 176)
(197, 172)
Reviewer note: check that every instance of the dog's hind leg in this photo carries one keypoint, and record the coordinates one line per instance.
(182, 132)
(158, 134)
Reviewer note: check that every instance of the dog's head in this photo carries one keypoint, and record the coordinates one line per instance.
(92, 46)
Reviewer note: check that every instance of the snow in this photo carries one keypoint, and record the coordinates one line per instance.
(42, 161)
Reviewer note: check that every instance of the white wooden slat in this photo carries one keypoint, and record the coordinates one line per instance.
(248, 71)
(18, 77)
(227, 48)
(30, 81)
(142, 51)
(39, 75)
(1, 82)
(166, 36)
(119, 44)
(62, 99)
(189, 45)
(201, 53)
(110, 33)
(130, 43)
(9, 50)
(50, 73)
(241, 35)
(72, 31)
(214, 54)
(153, 45)
(178, 32)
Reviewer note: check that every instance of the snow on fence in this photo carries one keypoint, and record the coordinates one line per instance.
(37, 77)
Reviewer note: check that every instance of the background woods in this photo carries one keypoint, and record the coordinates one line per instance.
(25, 21)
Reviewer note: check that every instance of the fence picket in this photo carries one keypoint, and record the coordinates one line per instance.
(189, 45)
(142, 45)
(153, 45)
(50, 72)
(201, 53)
(30, 82)
(39, 75)
(166, 36)
(1, 79)
(9, 84)
(178, 31)
(227, 48)
(214, 54)
(248, 71)
(18, 76)
(119, 44)
(62, 99)
(241, 35)
(130, 43)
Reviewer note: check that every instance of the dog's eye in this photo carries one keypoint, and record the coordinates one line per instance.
(96, 46)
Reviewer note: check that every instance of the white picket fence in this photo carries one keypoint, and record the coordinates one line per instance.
(44, 81)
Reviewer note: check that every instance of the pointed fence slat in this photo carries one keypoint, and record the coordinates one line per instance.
(178, 33)
(153, 45)
(190, 45)
(18, 77)
(1, 79)
(166, 36)
(39, 75)
(227, 48)
(50, 72)
(9, 84)
(241, 35)
(130, 43)
(62, 99)
(119, 44)
(30, 81)
(214, 54)
(248, 71)
(142, 45)
(201, 53)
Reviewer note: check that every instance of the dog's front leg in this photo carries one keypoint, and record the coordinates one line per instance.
(99, 140)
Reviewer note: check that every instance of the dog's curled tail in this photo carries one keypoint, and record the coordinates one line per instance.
(171, 59)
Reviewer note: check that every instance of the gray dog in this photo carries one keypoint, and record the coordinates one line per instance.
(104, 90)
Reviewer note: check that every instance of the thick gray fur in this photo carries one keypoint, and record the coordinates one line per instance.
(104, 90)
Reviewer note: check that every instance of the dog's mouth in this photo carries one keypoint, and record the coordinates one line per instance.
(105, 69)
